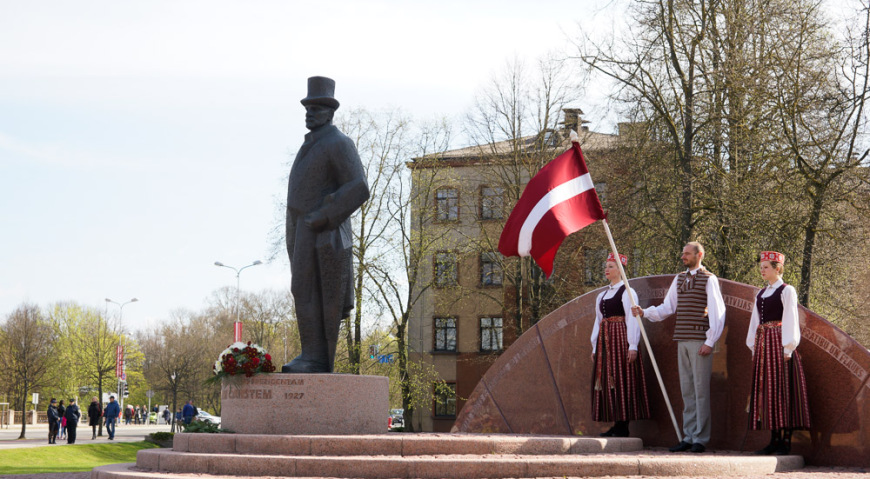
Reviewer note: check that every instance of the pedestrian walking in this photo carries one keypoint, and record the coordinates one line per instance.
(619, 392)
(113, 411)
(72, 415)
(53, 421)
(188, 412)
(167, 416)
(95, 415)
(778, 399)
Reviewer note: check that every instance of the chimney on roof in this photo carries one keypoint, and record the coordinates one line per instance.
(574, 120)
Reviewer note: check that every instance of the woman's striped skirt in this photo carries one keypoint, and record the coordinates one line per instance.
(619, 388)
(779, 388)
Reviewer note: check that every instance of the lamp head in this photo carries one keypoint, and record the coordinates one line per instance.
(218, 263)
(255, 263)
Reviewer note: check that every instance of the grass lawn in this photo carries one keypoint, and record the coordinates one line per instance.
(72, 458)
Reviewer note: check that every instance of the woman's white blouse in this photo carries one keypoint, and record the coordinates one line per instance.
(632, 328)
(791, 327)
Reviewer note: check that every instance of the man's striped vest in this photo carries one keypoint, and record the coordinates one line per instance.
(692, 321)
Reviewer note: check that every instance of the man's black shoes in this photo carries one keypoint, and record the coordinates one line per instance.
(698, 447)
(682, 446)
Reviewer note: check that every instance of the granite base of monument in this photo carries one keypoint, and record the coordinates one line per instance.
(306, 404)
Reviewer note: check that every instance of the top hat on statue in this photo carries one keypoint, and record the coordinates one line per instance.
(321, 91)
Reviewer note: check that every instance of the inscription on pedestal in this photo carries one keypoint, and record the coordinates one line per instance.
(250, 388)
(305, 404)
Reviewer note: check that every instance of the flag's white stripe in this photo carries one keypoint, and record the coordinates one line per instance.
(559, 194)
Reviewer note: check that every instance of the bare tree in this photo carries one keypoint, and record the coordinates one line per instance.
(402, 276)
(174, 357)
(515, 124)
(822, 95)
(381, 140)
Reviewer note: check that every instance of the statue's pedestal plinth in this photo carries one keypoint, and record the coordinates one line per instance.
(306, 404)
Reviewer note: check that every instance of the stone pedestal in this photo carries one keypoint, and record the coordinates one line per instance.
(306, 404)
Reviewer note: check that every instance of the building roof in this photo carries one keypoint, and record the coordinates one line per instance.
(556, 139)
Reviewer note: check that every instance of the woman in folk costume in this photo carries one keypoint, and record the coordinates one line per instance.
(619, 387)
(778, 400)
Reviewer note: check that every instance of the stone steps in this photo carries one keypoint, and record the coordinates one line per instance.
(215, 456)
(400, 444)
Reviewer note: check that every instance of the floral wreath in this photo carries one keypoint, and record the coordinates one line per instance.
(240, 358)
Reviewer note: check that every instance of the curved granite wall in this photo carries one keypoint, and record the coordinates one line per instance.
(541, 384)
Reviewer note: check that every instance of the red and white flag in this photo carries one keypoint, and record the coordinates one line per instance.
(119, 361)
(558, 201)
(237, 332)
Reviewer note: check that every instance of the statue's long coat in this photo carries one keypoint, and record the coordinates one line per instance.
(328, 176)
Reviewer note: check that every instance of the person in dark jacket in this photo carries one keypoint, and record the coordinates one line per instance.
(167, 416)
(62, 422)
(95, 413)
(113, 410)
(188, 412)
(53, 421)
(72, 415)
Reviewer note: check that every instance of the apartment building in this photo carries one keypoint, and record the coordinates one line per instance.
(473, 302)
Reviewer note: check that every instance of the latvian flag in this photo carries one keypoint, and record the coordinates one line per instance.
(119, 361)
(558, 201)
(237, 331)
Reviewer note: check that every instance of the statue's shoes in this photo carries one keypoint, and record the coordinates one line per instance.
(304, 366)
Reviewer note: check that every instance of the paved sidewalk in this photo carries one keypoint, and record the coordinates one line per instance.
(807, 473)
(37, 436)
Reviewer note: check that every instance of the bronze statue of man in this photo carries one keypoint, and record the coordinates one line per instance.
(327, 184)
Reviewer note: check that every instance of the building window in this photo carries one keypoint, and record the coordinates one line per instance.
(490, 269)
(447, 204)
(491, 203)
(445, 334)
(594, 262)
(445, 399)
(601, 189)
(445, 269)
(490, 334)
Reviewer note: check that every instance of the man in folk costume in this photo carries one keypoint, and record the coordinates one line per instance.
(327, 184)
(696, 299)
(778, 400)
(619, 388)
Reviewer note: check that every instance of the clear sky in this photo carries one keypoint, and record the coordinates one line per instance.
(141, 141)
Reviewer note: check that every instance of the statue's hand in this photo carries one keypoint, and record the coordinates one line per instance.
(316, 221)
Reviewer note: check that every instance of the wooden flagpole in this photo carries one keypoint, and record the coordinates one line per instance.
(643, 332)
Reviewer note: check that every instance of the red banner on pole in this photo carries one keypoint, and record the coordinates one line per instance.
(119, 361)
(237, 332)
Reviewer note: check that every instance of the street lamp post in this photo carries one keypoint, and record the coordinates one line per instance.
(238, 273)
(121, 327)
(173, 427)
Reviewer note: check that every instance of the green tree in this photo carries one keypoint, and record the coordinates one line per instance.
(29, 341)
(89, 347)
